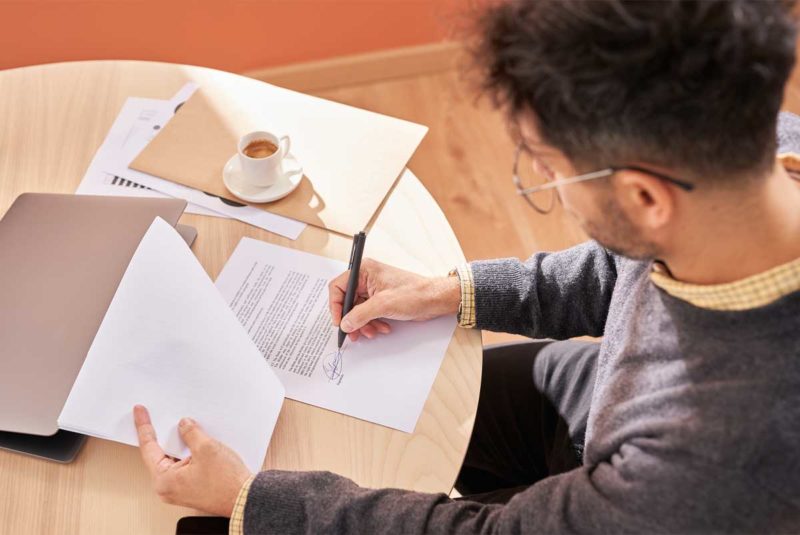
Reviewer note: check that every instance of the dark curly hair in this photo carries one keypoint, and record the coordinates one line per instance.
(691, 85)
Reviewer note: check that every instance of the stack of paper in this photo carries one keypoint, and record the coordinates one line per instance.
(139, 121)
(171, 343)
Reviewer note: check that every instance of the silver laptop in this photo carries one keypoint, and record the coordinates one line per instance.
(61, 260)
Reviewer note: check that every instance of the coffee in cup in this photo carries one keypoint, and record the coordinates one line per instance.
(260, 148)
(261, 157)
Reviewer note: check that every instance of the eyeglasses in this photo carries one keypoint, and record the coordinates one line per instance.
(549, 183)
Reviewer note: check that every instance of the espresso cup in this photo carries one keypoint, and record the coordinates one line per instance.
(262, 171)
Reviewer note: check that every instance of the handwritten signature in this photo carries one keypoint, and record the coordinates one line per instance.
(332, 365)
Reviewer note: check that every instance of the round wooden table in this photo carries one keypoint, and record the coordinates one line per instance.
(52, 119)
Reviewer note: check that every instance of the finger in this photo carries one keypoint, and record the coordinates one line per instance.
(369, 271)
(362, 314)
(353, 336)
(192, 434)
(381, 326)
(336, 290)
(183, 462)
(164, 464)
(369, 331)
(152, 454)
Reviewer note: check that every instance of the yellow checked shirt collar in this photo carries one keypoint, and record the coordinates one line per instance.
(753, 292)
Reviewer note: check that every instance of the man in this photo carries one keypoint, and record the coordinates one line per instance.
(655, 123)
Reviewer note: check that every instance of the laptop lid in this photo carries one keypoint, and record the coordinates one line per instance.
(61, 260)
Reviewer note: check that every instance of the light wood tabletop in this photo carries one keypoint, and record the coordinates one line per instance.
(52, 120)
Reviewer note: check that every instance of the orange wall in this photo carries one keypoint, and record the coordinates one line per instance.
(232, 35)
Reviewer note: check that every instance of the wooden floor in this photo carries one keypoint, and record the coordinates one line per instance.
(465, 162)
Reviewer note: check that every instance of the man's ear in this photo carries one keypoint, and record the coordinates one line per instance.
(649, 202)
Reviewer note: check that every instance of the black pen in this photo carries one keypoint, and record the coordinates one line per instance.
(352, 283)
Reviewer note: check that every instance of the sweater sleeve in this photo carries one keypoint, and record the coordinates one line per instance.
(631, 493)
(550, 295)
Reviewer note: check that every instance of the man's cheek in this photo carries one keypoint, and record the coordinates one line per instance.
(578, 204)
(570, 206)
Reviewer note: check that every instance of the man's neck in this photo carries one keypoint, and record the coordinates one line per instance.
(734, 240)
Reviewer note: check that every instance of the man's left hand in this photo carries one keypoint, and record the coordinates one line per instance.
(209, 479)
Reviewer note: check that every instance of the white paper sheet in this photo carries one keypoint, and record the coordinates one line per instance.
(284, 226)
(281, 297)
(170, 342)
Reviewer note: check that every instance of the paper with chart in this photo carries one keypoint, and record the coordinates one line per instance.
(118, 165)
(170, 342)
(280, 296)
(137, 123)
(132, 130)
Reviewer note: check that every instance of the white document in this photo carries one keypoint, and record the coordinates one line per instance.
(132, 130)
(281, 298)
(170, 342)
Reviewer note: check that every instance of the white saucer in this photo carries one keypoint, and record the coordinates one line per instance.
(232, 177)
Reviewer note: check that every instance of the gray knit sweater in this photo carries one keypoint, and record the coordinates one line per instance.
(694, 424)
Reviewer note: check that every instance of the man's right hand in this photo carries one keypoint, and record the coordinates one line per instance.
(386, 292)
